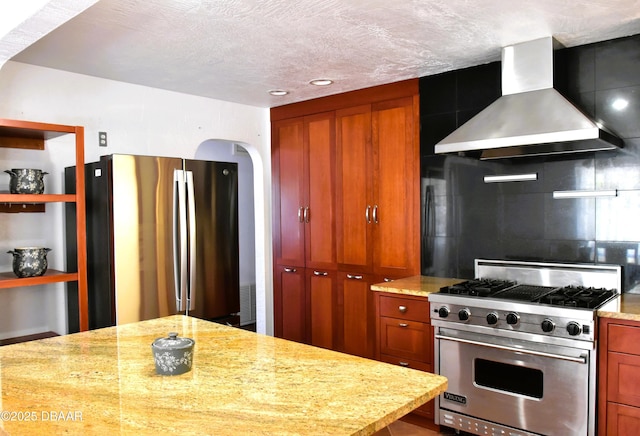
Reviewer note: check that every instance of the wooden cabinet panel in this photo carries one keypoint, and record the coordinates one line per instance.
(354, 171)
(396, 169)
(622, 420)
(289, 182)
(357, 312)
(319, 134)
(321, 286)
(290, 303)
(618, 377)
(623, 379)
(403, 338)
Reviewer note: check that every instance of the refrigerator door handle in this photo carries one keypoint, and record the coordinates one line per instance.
(179, 238)
(191, 243)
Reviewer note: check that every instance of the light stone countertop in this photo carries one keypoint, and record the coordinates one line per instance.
(626, 307)
(419, 286)
(242, 383)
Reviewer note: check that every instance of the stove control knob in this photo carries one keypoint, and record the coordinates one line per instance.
(548, 326)
(513, 318)
(574, 328)
(492, 318)
(464, 314)
(443, 312)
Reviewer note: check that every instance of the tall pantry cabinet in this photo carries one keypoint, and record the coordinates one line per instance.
(367, 194)
(304, 228)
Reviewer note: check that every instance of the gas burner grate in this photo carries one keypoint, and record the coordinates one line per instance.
(578, 296)
(525, 292)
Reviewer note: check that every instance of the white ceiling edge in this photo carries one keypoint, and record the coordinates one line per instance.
(23, 23)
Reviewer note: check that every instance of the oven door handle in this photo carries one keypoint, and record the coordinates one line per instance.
(580, 359)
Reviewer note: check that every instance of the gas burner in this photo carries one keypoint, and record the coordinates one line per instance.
(578, 296)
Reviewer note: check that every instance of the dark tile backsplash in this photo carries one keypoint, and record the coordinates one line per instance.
(464, 218)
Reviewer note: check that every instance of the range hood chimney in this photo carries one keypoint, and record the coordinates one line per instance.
(531, 118)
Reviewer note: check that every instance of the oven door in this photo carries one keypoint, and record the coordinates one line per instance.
(526, 385)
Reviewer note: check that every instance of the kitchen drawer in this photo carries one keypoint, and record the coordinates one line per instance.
(405, 339)
(405, 308)
(624, 339)
(622, 420)
(408, 363)
(623, 378)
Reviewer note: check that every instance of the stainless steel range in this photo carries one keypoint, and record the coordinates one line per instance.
(518, 346)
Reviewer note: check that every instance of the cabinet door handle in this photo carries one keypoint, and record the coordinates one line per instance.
(307, 214)
(406, 364)
(387, 279)
(402, 309)
(300, 212)
(403, 324)
(375, 214)
(354, 277)
(367, 214)
(289, 270)
(320, 273)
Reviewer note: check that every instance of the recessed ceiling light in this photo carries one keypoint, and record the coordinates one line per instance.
(278, 92)
(321, 82)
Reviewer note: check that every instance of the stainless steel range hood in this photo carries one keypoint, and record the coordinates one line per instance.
(530, 118)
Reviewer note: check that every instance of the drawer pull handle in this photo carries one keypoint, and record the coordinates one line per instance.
(406, 364)
(403, 324)
(320, 273)
(402, 309)
(290, 270)
(354, 277)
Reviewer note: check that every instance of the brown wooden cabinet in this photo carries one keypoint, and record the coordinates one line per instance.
(356, 312)
(346, 199)
(303, 166)
(377, 159)
(321, 286)
(290, 304)
(33, 135)
(303, 160)
(405, 335)
(619, 377)
(377, 203)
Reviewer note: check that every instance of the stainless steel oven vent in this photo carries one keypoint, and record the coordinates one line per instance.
(531, 117)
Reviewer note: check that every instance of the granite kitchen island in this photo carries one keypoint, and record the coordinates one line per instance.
(104, 382)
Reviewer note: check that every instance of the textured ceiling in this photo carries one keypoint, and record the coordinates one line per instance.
(237, 50)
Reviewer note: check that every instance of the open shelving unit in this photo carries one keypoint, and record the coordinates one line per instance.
(33, 136)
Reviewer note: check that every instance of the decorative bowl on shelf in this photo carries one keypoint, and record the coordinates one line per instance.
(29, 261)
(26, 181)
(173, 355)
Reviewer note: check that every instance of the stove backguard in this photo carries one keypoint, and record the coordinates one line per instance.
(551, 274)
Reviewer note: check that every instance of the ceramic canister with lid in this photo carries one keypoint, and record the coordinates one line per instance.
(173, 355)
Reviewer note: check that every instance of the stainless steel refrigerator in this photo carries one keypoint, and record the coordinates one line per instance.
(162, 238)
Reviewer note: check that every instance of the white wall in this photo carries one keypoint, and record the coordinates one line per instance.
(138, 120)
